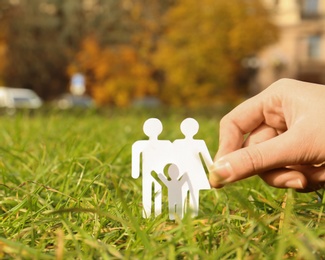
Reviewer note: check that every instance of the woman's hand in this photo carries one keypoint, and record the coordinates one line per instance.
(284, 128)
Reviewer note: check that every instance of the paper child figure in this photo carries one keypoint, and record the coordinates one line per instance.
(188, 153)
(176, 201)
(154, 154)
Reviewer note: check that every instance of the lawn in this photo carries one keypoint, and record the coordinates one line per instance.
(67, 193)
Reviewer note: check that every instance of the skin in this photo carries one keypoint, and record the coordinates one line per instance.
(278, 134)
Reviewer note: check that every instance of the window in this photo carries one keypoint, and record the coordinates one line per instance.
(314, 46)
(309, 8)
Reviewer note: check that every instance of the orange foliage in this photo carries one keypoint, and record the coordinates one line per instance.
(198, 47)
(115, 75)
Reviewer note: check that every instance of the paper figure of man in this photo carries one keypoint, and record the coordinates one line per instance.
(176, 201)
(147, 156)
(188, 154)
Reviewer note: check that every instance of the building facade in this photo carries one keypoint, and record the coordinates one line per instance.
(300, 51)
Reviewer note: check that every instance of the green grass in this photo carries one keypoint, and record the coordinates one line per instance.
(66, 192)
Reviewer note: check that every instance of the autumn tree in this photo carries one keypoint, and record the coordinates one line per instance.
(39, 41)
(44, 36)
(4, 28)
(3, 48)
(115, 74)
(204, 44)
(120, 70)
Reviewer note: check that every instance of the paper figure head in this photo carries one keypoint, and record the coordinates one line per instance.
(152, 128)
(189, 127)
(173, 171)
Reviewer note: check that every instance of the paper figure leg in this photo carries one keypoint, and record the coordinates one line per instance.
(184, 199)
(179, 209)
(175, 209)
(171, 209)
(194, 203)
(158, 198)
(146, 200)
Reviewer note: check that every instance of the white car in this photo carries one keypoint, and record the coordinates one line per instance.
(18, 98)
(70, 101)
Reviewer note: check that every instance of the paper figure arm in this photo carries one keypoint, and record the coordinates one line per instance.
(136, 154)
(184, 178)
(206, 156)
(163, 178)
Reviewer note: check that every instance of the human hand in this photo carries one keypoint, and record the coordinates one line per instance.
(286, 138)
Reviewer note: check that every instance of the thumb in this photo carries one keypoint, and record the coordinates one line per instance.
(274, 153)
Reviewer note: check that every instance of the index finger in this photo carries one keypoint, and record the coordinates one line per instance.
(241, 120)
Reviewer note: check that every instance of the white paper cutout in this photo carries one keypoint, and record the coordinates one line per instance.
(184, 165)
(154, 154)
(176, 200)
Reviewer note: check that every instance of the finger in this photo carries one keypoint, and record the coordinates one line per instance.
(233, 127)
(314, 174)
(277, 152)
(312, 187)
(260, 134)
(248, 116)
(285, 178)
(315, 177)
(303, 178)
(215, 182)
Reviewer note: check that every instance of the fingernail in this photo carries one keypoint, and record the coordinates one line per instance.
(221, 171)
(294, 183)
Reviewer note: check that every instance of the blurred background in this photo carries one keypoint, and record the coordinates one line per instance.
(174, 52)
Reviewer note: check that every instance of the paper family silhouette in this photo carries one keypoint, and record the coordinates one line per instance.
(184, 161)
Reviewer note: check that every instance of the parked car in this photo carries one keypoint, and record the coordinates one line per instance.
(147, 102)
(12, 99)
(68, 101)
